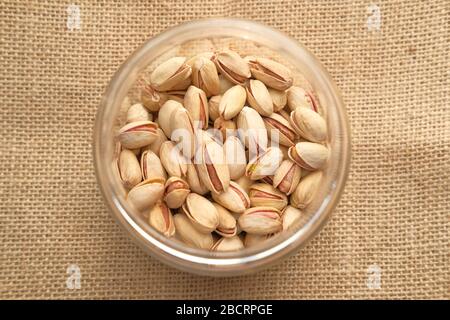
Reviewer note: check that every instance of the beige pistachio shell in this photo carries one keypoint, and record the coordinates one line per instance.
(279, 99)
(228, 244)
(201, 212)
(290, 217)
(183, 132)
(259, 97)
(252, 240)
(151, 166)
(245, 183)
(176, 191)
(196, 104)
(308, 155)
(306, 190)
(232, 66)
(235, 157)
(279, 128)
(287, 177)
(129, 170)
(227, 128)
(227, 223)
(169, 74)
(194, 181)
(252, 130)
(151, 99)
(272, 73)
(137, 112)
(234, 199)
(172, 160)
(265, 195)
(187, 233)
(286, 114)
(265, 164)
(225, 84)
(298, 97)
(205, 76)
(165, 114)
(155, 146)
(232, 102)
(261, 220)
(309, 124)
(160, 218)
(137, 134)
(145, 194)
(202, 55)
(214, 103)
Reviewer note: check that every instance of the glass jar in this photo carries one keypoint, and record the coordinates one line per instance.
(251, 38)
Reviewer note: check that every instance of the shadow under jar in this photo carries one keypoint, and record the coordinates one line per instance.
(246, 38)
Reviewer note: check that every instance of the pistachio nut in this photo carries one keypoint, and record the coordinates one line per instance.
(232, 66)
(172, 160)
(232, 102)
(228, 244)
(285, 114)
(259, 97)
(227, 223)
(252, 240)
(272, 73)
(202, 55)
(176, 191)
(268, 180)
(252, 130)
(155, 146)
(145, 194)
(234, 199)
(190, 235)
(279, 99)
(265, 195)
(150, 98)
(196, 104)
(151, 166)
(212, 168)
(176, 95)
(261, 220)
(160, 218)
(180, 86)
(276, 124)
(169, 74)
(165, 115)
(265, 164)
(245, 182)
(227, 128)
(290, 217)
(309, 124)
(287, 177)
(137, 112)
(299, 97)
(284, 150)
(235, 157)
(194, 181)
(183, 132)
(205, 76)
(201, 213)
(225, 84)
(308, 155)
(129, 170)
(214, 103)
(306, 189)
(137, 134)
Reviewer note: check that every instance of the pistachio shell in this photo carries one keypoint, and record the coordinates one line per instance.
(155, 146)
(170, 73)
(183, 132)
(201, 212)
(160, 218)
(272, 73)
(232, 66)
(194, 181)
(205, 76)
(308, 155)
(137, 112)
(298, 97)
(279, 99)
(129, 170)
(137, 134)
(151, 166)
(278, 127)
(145, 194)
(150, 98)
(287, 177)
(227, 128)
(209, 55)
(265, 164)
(225, 84)
(290, 217)
(214, 103)
(252, 130)
(252, 240)
(234, 199)
(227, 223)
(190, 235)
(196, 104)
(232, 102)
(261, 220)
(265, 195)
(245, 183)
(165, 114)
(259, 97)
(176, 191)
(235, 157)
(309, 124)
(228, 244)
(306, 190)
(172, 160)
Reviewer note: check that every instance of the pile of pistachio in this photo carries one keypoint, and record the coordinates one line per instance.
(222, 152)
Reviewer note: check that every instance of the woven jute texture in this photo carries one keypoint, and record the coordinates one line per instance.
(388, 238)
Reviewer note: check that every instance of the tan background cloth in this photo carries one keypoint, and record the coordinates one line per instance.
(394, 214)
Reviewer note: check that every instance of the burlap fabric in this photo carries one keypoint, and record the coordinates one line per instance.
(392, 223)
